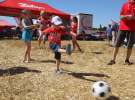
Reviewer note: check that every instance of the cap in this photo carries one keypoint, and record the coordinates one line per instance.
(56, 20)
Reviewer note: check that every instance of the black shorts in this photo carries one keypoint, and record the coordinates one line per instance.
(57, 55)
(122, 35)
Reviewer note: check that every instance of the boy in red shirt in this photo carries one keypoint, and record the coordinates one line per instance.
(126, 30)
(54, 37)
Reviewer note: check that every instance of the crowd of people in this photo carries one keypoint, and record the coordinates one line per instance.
(51, 26)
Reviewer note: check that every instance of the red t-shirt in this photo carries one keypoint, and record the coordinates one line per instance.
(74, 27)
(54, 34)
(127, 9)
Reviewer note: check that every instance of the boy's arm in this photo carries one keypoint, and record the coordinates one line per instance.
(47, 31)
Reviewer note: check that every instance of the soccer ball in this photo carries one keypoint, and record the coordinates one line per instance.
(101, 90)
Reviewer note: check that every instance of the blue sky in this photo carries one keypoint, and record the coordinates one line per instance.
(103, 10)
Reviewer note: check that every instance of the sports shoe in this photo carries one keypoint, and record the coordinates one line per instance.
(112, 62)
(58, 71)
(127, 62)
(68, 49)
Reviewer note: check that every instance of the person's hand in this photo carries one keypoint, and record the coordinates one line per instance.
(130, 17)
(34, 26)
(127, 17)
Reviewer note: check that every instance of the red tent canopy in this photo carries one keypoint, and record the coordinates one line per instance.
(14, 7)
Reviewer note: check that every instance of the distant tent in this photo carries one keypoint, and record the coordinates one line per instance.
(4, 23)
(14, 7)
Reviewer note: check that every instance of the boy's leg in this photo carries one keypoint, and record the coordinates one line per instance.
(62, 50)
(67, 50)
(58, 58)
(58, 64)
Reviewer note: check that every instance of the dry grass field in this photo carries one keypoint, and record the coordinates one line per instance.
(37, 80)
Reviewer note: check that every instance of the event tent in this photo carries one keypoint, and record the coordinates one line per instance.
(4, 23)
(14, 7)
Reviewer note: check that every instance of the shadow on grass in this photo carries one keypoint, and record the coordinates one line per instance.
(16, 70)
(82, 75)
(53, 61)
(113, 98)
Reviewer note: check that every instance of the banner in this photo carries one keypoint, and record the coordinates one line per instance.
(85, 22)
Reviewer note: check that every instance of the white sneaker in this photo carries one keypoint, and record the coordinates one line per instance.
(58, 72)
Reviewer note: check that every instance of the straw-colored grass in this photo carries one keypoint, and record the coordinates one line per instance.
(37, 80)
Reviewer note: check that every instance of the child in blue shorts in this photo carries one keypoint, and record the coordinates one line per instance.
(54, 37)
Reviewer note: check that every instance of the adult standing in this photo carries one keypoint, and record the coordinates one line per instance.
(126, 30)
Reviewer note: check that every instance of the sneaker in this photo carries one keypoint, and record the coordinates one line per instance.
(68, 49)
(58, 72)
(112, 62)
(127, 62)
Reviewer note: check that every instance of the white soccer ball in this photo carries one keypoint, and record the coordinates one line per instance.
(101, 90)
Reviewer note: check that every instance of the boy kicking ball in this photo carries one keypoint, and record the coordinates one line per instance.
(54, 37)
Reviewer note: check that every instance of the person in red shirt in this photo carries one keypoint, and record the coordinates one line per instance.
(73, 33)
(126, 30)
(54, 37)
(44, 22)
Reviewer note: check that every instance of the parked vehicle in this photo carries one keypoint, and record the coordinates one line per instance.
(100, 35)
(88, 37)
(1, 34)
